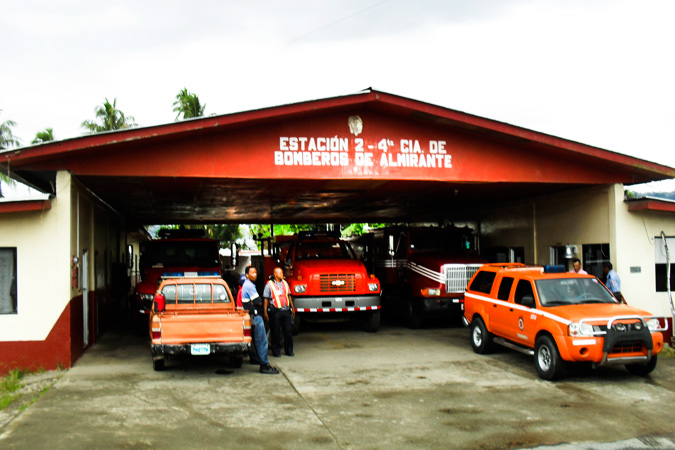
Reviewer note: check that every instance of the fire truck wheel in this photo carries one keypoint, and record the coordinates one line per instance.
(295, 328)
(642, 369)
(158, 364)
(481, 338)
(372, 322)
(550, 366)
(412, 316)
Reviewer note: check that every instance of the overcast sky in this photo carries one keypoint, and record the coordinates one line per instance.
(597, 72)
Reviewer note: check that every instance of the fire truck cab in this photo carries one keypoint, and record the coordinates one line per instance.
(326, 279)
(423, 270)
(180, 252)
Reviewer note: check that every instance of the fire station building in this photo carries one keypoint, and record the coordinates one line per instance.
(366, 157)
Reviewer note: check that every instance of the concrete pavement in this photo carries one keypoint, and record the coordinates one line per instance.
(344, 389)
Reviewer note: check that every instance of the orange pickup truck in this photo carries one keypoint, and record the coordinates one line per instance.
(197, 316)
(558, 317)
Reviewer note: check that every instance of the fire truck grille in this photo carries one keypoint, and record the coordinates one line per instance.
(457, 276)
(337, 282)
(627, 347)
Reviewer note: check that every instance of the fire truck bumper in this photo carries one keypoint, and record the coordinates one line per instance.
(434, 306)
(337, 304)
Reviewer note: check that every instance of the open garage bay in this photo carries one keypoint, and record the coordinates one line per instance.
(397, 388)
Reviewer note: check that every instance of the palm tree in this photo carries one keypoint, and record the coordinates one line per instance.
(7, 138)
(188, 105)
(110, 119)
(43, 136)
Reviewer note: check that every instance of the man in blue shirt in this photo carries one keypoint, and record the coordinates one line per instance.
(252, 302)
(612, 281)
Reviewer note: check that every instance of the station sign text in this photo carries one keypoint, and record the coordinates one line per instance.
(336, 151)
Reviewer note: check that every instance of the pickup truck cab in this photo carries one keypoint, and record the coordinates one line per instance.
(558, 317)
(197, 316)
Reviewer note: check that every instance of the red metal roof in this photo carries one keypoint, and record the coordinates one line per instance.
(651, 204)
(8, 206)
(231, 168)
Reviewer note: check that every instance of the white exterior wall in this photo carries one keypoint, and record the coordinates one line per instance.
(43, 266)
(578, 217)
(587, 216)
(635, 233)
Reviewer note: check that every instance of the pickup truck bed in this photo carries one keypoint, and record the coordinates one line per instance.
(180, 325)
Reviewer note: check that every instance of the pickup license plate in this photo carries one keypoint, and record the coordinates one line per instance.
(200, 349)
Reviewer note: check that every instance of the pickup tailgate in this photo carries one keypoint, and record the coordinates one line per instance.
(202, 325)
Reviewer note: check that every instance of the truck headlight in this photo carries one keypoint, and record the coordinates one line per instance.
(579, 329)
(653, 324)
(430, 292)
(300, 288)
(373, 287)
(147, 296)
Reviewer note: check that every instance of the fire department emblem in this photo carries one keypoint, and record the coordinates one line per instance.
(521, 324)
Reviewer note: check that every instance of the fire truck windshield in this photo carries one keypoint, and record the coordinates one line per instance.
(180, 253)
(440, 240)
(323, 250)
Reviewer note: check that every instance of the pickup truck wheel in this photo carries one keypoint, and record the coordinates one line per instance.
(642, 369)
(158, 364)
(481, 338)
(550, 366)
(372, 322)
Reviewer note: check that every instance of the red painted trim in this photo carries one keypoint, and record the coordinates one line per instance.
(25, 205)
(63, 346)
(651, 205)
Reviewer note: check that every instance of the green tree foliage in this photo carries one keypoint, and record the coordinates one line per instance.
(109, 118)
(225, 233)
(7, 138)
(264, 231)
(187, 105)
(43, 136)
(357, 229)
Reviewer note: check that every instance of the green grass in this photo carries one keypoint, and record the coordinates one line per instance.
(667, 352)
(9, 384)
(34, 399)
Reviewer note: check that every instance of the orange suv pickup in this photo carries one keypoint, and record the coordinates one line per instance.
(197, 316)
(558, 317)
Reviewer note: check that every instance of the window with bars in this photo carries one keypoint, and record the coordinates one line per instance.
(8, 288)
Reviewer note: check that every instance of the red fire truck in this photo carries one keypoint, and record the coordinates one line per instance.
(326, 279)
(423, 270)
(179, 252)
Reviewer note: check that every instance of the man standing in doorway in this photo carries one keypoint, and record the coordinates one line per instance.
(613, 282)
(576, 267)
(279, 303)
(252, 303)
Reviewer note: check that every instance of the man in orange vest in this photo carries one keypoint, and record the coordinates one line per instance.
(279, 303)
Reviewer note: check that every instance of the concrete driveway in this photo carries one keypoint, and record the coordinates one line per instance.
(346, 389)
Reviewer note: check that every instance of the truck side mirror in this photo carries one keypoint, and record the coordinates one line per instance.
(160, 300)
(391, 245)
(528, 301)
(234, 255)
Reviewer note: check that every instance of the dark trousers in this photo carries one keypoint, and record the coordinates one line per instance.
(281, 320)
